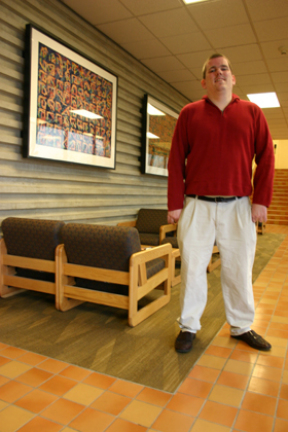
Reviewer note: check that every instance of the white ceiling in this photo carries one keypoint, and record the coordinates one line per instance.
(174, 40)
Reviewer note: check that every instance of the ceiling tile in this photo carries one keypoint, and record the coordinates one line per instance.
(160, 64)
(177, 75)
(243, 53)
(249, 68)
(272, 29)
(239, 92)
(280, 86)
(169, 23)
(257, 88)
(146, 49)
(253, 79)
(236, 35)
(99, 12)
(283, 98)
(278, 65)
(197, 72)
(126, 30)
(195, 60)
(186, 43)
(193, 85)
(193, 95)
(260, 10)
(218, 14)
(142, 7)
(272, 50)
(272, 113)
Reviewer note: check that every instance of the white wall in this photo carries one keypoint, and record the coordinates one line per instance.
(281, 154)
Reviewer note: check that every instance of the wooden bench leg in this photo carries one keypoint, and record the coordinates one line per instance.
(61, 302)
(175, 280)
(5, 290)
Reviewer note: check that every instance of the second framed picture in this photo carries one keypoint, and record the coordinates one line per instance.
(158, 127)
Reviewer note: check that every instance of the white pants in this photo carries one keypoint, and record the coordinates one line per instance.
(230, 224)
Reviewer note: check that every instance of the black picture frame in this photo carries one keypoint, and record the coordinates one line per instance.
(159, 122)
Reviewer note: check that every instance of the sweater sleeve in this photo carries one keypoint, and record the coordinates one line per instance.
(264, 175)
(176, 164)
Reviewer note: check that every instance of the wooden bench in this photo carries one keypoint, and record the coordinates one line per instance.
(105, 265)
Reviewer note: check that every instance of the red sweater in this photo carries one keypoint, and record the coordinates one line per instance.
(219, 148)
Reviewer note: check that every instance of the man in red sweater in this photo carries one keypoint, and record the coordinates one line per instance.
(209, 184)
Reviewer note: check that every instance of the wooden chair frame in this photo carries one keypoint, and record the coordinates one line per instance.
(11, 284)
(69, 295)
(260, 227)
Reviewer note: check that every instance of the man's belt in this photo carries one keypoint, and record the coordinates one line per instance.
(213, 199)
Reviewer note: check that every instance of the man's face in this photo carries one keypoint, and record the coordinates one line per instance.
(219, 77)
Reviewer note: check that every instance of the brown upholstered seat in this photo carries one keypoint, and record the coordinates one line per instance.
(149, 223)
(105, 265)
(28, 255)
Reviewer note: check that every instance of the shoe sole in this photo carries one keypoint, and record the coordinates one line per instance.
(183, 351)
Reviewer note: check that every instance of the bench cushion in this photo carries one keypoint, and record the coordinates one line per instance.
(172, 240)
(32, 238)
(149, 239)
(150, 220)
(102, 246)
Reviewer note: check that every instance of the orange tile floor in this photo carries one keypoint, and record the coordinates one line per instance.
(231, 388)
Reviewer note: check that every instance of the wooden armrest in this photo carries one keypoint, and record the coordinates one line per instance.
(127, 223)
(151, 254)
(164, 229)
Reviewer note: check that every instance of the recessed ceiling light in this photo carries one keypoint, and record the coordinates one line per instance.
(265, 100)
(85, 113)
(193, 1)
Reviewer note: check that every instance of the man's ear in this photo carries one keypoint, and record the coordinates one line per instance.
(203, 83)
(233, 79)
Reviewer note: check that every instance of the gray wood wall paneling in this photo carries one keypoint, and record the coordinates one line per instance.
(71, 192)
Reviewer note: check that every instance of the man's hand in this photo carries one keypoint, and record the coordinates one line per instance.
(173, 216)
(259, 213)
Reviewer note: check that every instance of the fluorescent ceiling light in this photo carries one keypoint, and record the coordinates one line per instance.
(150, 135)
(154, 111)
(265, 100)
(86, 113)
(193, 1)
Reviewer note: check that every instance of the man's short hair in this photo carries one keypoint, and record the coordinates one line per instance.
(216, 55)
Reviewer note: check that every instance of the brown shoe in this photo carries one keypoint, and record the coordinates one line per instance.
(184, 341)
(254, 340)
